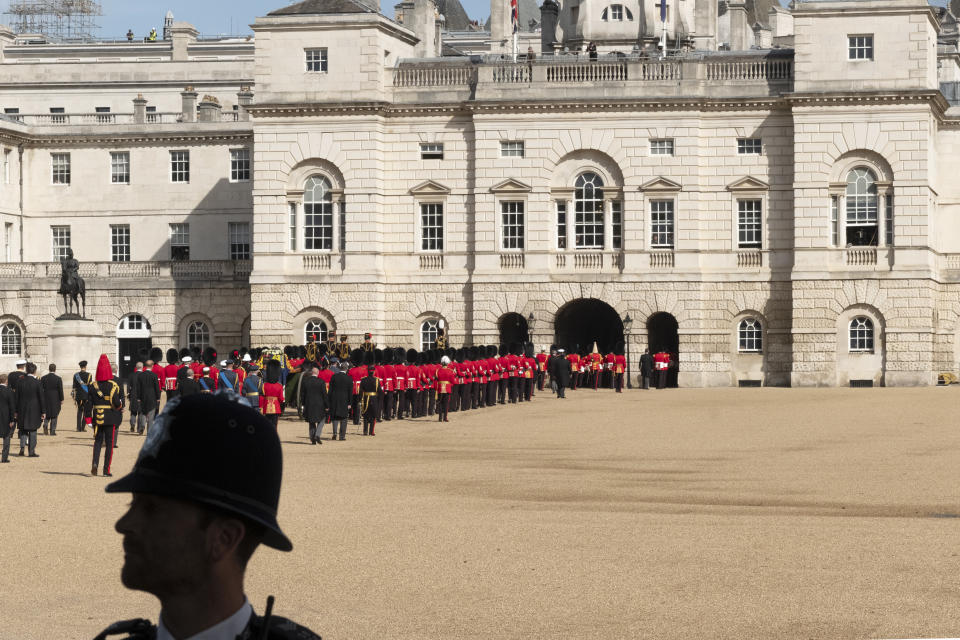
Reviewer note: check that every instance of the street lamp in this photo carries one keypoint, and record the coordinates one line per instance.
(627, 326)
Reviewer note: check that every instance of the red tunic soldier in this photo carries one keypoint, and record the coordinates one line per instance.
(446, 379)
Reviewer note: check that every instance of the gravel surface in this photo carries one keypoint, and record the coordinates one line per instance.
(695, 513)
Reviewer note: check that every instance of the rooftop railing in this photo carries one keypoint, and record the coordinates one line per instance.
(180, 270)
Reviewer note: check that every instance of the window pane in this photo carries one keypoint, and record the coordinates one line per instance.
(318, 215)
(561, 225)
(429, 331)
(749, 224)
(120, 243)
(180, 166)
(661, 147)
(588, 211)
(198, 336)
(616, 209)
(120, 167)
(750, 336)
(11, 340)
(661, 224)
(512, 149)
(749, 146)
(61, 242)
(431, 227)
(431, 151)
(860, 47)
(293, 226)
(239, 165)
(239, 233)
(316, 329)
(316, 60)
(861, 334)
(511, 214)
(180, 241)
(60, 167)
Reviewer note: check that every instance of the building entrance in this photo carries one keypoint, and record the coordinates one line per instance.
(513, 329)
(662, 335)
(582, 322)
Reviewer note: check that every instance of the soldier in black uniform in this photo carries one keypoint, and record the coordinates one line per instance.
(81, 394)
(206, 487)
(369, 387)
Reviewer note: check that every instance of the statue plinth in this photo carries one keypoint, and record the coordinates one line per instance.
(73, 339)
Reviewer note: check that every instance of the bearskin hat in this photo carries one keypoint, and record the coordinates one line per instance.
(272, 373)
(502, 350)
(528, 349)
(378, 356)
(209, 356)
(184, 353)
(173, 356)
(369, 358)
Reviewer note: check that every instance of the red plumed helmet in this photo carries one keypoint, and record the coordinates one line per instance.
(104, 372)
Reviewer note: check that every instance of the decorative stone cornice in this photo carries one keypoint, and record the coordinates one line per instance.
(139, 138)
(935, 99)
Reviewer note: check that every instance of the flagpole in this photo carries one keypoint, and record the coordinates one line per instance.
(516, 44)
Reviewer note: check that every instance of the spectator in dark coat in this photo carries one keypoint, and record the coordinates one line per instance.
(8, 413)
(52, 398)
(562, 374)
(646, 369)
(187, 385)
(148, 396)
(339, 397)
(313, 392)
(132, 396)
(30, 410)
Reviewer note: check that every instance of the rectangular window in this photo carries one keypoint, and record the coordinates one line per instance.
(60, 163)
(179, 166)
(239, 165)
(588, 221)
(511, 216)
(616, 12)
(57, 115)
(239, 233)
(316, 60)
(61, 242)
(342, 211)
(862, 224)
(661, 224)
(318, 224)
(120, 243)
(120, 167)
(749, 224)
(749, 146)
(431, 151)
(561, 225)
(860, 47)
(835, 220)
(511, 149)
(661, 147)
(13, 113)
(180, 241)
(431, 227)
(293, 226)
(888, 220)
(616, 211)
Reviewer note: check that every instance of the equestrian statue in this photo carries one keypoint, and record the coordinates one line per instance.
(72, 287)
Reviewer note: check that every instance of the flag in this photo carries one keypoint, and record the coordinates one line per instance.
(515, 15)
(663, 10)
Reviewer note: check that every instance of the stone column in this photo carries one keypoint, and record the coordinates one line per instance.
(139, 109)
(189, 105)
(740, 32)
(501, 28)
(182, 35)
(571, 227)
(608, 224)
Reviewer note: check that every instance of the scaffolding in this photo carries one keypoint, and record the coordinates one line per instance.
(58, 20)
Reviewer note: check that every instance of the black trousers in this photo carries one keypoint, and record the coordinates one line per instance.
(81, 414)
(662, 379)
(355, 409)
(401, 402)
(528, 392)
(453, 398)
(618, 377)
(540, 376)
(316, 428)
(431, 401)
(512, 384)
(51, 425)
(645, 380)
(389, 402)
(106, 437)
(413, 411)
(443, 406)
(502, 390)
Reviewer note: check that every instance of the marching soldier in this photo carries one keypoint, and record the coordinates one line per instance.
(271, 398)
(661, 362)
(541, 368)
(619, 368)
(445, 381)
(389, 384)
(369, 387)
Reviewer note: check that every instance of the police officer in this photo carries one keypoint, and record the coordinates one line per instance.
(205, 487)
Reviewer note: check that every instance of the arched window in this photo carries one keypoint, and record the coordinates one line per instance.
(588, 211)
(198, 335)
(750, 336)
(429, 330)
(861, 335)
(11, 340)
(317, 329)
(317, 214)
(862, 204)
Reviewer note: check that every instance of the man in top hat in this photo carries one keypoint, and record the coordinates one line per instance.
(30, 409)
(53, 399)
(206, 487)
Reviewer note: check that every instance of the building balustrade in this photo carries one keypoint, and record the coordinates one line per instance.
(661, 260)
(317, 262)
(861, 257)
(749, 259)
(431, 262)
(512, 261)
(200, 270)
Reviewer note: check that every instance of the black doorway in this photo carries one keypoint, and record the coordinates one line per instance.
(513, 329)
(582, 322)
(128, 352)
(662, 335)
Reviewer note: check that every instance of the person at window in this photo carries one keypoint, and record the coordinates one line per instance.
(531, 56)
(206, 487)
(8, 412)
(53, 399)
(106, 401)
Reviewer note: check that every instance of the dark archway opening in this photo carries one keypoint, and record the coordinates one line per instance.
(582, 322)
(513, 329)
(663, 335)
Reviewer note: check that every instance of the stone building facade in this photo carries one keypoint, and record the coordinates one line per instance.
(773, 216)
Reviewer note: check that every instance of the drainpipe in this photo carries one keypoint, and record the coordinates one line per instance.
(20, 169)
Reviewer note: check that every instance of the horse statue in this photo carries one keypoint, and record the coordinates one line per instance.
(72, 287)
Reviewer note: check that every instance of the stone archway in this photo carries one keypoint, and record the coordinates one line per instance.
(663, 335)
(513, 329)
(582, 322)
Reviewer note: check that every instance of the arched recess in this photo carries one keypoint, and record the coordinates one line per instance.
(580, 323)
(573, 164)
(858, 362)
(183, 328)
(300, 320)
(299, 174)
(860, 157)
(663, 334)
(512, 329)
(134, 338)
(748, 348)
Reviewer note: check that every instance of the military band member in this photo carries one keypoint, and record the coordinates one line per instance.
(106, 400)
(574, 359)
(367, 344)
(332, 349)
(389, 385)
(661, 362)
(619, 368)
(252, 384)
(441, 341)
(357, 373)
(343, 349)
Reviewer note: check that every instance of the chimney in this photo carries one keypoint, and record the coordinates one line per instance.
(740, 34)
(244, 100)
(501, 28)
(549, 16)
(189, 110)
(210, 109)
(183, 34)
(423, 17)
(705, 34)
(139, 109)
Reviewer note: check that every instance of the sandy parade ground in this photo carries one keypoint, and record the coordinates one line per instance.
(727, 513)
